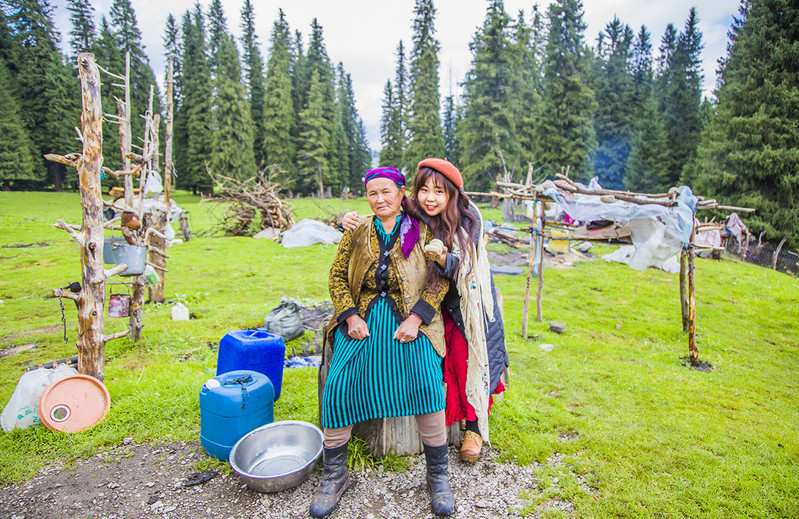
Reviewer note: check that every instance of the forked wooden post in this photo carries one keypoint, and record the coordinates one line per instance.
(684, 287)
(530, 268)
(693, 353)
(91, 298)
(540, 246)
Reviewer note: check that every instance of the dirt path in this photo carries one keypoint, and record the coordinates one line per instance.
(143, 481)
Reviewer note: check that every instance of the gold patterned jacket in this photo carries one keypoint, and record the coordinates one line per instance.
(363, 271)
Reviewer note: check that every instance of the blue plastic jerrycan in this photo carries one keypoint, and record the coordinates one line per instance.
(231, 405)
(256, 350)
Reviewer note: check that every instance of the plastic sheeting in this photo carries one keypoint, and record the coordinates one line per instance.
(658, 232)
(307, 232)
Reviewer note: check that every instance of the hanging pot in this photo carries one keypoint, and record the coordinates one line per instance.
(129, 220)
(133, 256)
(118, 305)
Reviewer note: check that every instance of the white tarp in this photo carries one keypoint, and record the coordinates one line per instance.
(307, 232)
(658, 232)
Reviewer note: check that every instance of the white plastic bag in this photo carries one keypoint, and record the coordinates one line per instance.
(307, 232)
(22, 410)
(153, 186)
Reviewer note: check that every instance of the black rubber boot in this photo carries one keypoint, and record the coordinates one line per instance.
(335, 482)
(442, 502)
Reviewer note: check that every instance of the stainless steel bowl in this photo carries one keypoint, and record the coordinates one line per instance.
(277, 456)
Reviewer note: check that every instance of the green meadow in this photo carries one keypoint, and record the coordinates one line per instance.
(634, 431)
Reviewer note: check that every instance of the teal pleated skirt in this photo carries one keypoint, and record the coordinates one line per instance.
(379, 377)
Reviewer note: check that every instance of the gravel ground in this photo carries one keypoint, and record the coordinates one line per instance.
(142, 481)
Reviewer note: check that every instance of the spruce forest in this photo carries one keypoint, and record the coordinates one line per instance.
(627, 108)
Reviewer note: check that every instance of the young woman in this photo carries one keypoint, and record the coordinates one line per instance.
(474, 332)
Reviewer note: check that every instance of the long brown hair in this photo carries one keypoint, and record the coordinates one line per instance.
(455, 220)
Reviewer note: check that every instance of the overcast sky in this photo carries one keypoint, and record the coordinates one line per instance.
(363, 34)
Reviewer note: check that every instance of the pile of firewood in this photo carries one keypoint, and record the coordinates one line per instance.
(254, 204)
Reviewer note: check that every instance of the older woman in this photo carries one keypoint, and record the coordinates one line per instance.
(388, 340)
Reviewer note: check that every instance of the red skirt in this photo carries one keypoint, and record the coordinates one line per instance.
(458, 407)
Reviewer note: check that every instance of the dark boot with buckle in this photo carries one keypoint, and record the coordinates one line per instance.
(442, 502)
(335, 481)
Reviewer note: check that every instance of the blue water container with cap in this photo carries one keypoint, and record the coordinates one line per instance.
(231, 405)
(256, 350)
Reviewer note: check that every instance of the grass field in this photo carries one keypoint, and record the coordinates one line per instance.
(636, 432)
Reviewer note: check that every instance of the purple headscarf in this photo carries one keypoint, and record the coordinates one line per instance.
(409, 227)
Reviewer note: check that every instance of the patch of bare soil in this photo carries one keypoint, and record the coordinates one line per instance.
(13, 350)
(142, 481)
(518, 258)
(27, 333)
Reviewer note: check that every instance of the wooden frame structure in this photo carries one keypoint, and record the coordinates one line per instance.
(537, 230)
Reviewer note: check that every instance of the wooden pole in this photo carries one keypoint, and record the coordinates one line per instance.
(540, 246)
(125, 135)
(136, 307)
(684, 287)
(693, 353)
(90, 300)
(170, 112)
(530, 260)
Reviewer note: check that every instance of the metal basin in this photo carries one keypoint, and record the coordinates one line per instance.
(277, 456)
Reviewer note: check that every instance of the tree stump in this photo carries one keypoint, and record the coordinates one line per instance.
(397, 436)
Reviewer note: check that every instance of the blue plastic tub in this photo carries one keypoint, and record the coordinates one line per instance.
(256, 350)
(231, 405)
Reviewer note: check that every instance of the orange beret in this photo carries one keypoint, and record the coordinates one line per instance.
(444, 167)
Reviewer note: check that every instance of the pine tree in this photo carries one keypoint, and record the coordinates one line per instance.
(232, 153)
(217, 32)
(450, 132)
(16, 159)
(426, 139)
(488, 128)
(41, 80)
(313, 153)
(300, 79)
(173, 48)
(279, 117)
(391, 152)
(565, 132)
(83, 34)
(357, 152)
(254, 71)
(747, 156)
(197, 107)
(648, 150)
(615, 115)
(527, 47)
(680, 90)
(401, 110)
(180, 157)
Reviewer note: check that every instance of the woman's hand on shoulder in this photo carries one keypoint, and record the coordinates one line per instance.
(350, 220)
(357, 328)
(408, 330)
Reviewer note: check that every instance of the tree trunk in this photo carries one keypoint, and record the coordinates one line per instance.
(125, 135)
(158, 220)
(170, 112)
(91, 299)
(57, 172)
